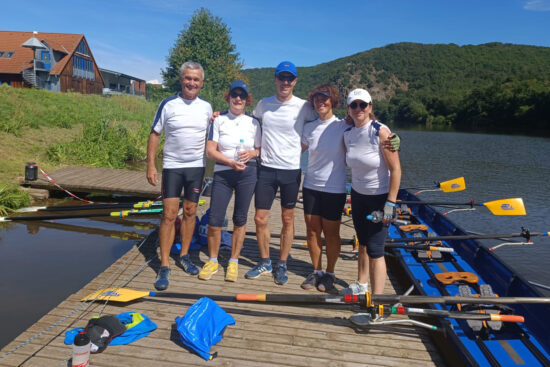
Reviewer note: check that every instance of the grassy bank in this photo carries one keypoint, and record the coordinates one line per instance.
(59, 129)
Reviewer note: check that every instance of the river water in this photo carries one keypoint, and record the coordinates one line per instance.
(40, 266)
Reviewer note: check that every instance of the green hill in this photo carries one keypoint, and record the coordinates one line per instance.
(491, 87)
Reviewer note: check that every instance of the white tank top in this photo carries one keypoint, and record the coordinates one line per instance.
(369, 171)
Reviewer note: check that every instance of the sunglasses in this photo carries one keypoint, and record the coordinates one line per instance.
(362, 105)
(238, 93)
(286, 78)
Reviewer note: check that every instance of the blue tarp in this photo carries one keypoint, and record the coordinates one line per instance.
(203, 326)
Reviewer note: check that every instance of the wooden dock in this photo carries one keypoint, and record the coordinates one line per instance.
(264, 335)
(78, 179)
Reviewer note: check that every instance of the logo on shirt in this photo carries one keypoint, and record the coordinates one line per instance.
(196, 191)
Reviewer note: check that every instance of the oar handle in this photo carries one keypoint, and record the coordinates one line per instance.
(470, 203)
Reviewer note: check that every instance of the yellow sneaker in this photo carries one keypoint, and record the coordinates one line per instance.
(232, 272)
(209, 269)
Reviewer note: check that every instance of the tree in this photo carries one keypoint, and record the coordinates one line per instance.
(206, 40)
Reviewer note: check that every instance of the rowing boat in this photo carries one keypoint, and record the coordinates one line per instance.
(473, 269)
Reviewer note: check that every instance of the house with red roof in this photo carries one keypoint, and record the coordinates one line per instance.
(59, 62)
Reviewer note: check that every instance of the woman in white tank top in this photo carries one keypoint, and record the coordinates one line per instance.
(376, 175)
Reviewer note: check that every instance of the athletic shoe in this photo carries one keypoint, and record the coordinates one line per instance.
(311, 281)
(209, 269)
(162, 281)
(232, 272)
(355, 288)
(326, 283)
(259, 269)
(280, 274)
(185, 263)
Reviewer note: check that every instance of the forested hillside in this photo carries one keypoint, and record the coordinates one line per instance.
(494, 87)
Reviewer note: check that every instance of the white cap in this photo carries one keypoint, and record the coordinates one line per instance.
(360, 94)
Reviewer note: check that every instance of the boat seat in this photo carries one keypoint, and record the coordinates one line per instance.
(457, 276)
(413, 227)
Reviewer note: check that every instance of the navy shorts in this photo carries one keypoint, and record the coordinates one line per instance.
(372, 235)
(269, 179)
(188, 179)
(243, 182)
(325, 204)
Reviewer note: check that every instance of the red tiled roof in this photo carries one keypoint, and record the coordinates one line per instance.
(12, 41)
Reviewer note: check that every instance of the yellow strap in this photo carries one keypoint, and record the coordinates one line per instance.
(414, 227)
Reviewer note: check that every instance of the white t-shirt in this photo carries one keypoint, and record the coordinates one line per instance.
(326, 167)
(185, 124)
(369, 172)
(228, 130)
(282, 125)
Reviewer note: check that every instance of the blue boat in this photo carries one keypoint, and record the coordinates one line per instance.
(478, 343)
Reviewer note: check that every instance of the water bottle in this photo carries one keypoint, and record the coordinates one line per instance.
(81, 350)
(240, 148)
(377, 216)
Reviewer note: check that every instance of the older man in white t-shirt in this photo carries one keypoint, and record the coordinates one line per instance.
(282, 116)
(184, 118)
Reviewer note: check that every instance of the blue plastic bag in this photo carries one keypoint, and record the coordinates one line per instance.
(194, 245)
(203, 326)
(226, 237)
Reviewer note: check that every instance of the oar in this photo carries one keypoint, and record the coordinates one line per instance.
(513, 206)
(525, 234)
(122, 213)
(128, 295)
(369, 299)
(383, 310)
(456, 184)
(64, 208)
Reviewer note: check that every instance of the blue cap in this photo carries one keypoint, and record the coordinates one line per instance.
(322, 92)
(286, 66)
(239, 84)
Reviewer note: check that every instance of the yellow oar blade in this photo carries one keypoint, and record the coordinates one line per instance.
(506, 207)
(457, 184)
(116, 295)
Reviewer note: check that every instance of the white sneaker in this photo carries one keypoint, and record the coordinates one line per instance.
(355, 288)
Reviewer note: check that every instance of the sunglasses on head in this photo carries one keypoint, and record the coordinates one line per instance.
(286, 78)
(238, 93)
(362, 105)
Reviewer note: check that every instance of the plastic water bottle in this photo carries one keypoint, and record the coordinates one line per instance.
(81, 350)
(377, 216)
(240, 148)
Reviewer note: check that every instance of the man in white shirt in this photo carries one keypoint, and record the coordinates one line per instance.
(184, 118)
(282, 116)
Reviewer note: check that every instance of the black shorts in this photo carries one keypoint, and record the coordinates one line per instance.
(188, 179)
(325, 204)
(372, 235)
(269, 179)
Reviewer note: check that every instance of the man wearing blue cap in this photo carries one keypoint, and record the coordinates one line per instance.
(283, 116)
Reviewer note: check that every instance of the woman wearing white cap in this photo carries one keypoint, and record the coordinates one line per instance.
(234, 143)
(375, 180)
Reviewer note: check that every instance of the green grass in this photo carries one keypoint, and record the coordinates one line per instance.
(29, 108)
(12, 198)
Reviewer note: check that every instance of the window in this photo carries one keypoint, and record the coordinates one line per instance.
(83, 68)
(82, 49)
(9, 54)
(2, 53)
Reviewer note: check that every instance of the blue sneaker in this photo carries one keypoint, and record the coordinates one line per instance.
(163, 276)
(185, 263)
(259, 269)
(280, 274)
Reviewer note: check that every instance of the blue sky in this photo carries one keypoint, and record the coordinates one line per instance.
(135, 36)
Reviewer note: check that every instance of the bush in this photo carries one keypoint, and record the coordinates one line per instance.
(12, 198)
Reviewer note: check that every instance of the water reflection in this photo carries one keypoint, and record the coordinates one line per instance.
(42, 263)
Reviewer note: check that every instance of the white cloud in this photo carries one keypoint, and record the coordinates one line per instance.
(537, 5)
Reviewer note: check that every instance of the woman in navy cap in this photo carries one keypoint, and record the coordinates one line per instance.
(234, 144)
